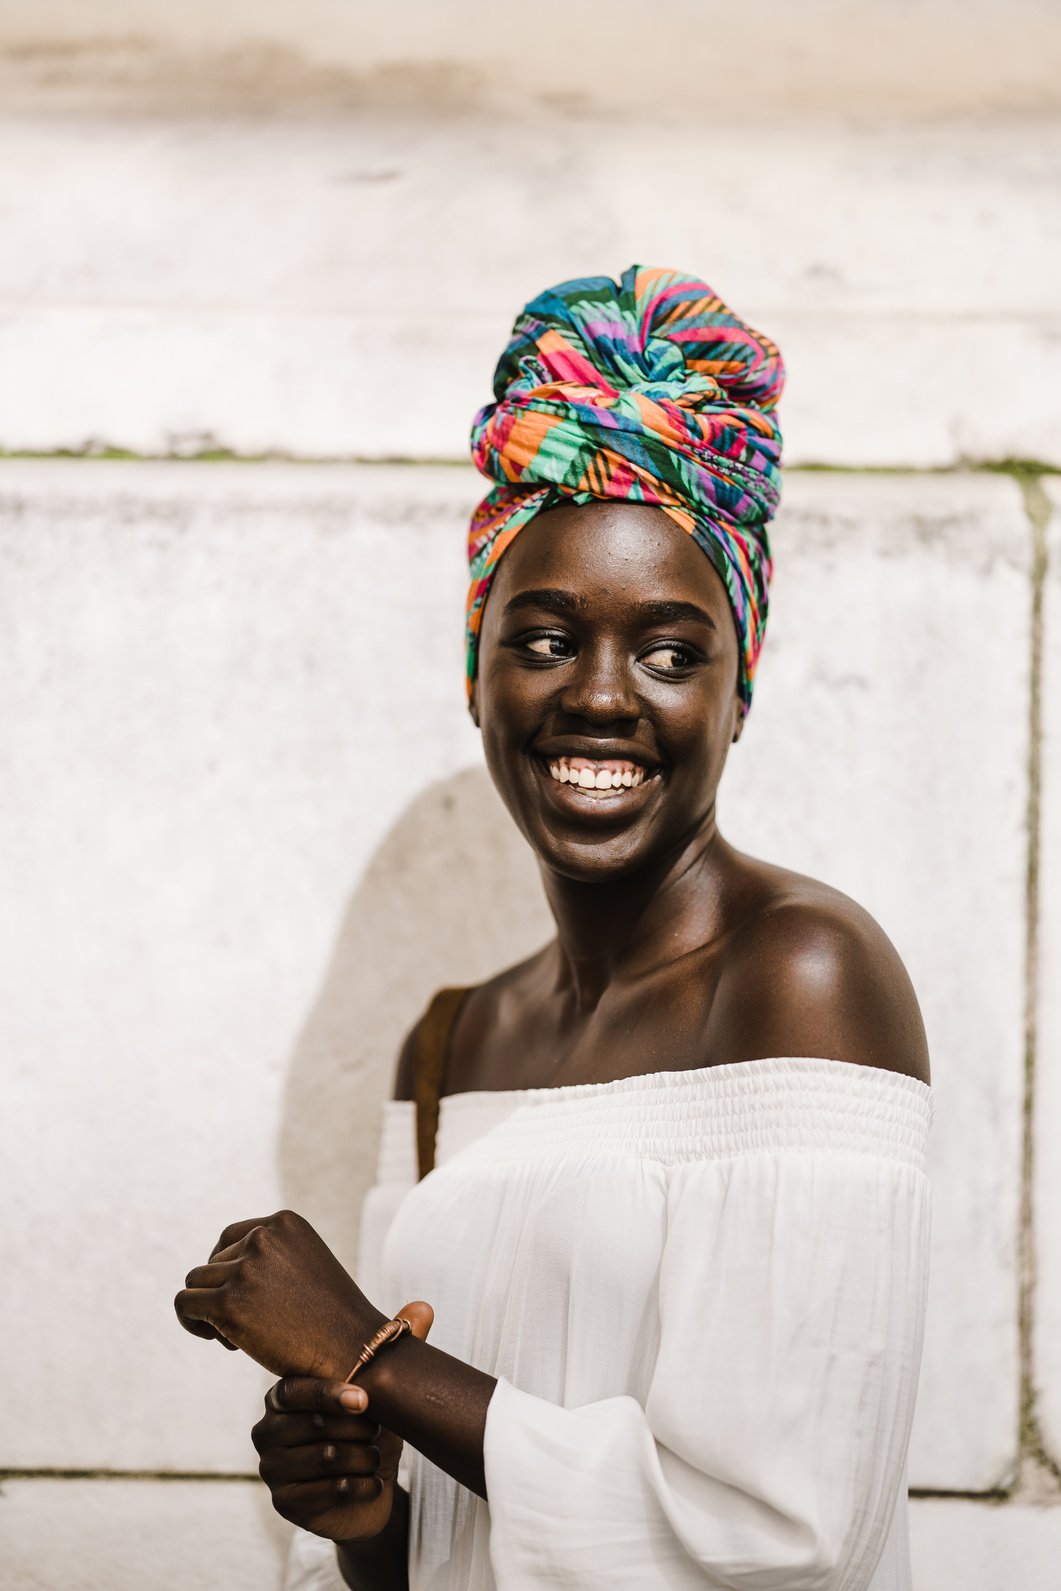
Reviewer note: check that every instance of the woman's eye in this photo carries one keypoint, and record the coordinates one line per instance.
(548, 645)
(669, 659)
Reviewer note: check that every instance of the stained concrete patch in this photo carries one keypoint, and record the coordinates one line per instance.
(830, 58)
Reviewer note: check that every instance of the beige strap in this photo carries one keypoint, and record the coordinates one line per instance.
(431, 1049)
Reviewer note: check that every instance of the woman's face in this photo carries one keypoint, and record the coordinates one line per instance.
(607, 687)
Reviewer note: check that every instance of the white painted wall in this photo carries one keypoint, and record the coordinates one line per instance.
(276, 285)
(245, 829)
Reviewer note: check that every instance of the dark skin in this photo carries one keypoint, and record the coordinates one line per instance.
(607, 637)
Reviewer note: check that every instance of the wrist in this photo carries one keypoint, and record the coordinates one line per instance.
(379, 1562)
(349, 1340)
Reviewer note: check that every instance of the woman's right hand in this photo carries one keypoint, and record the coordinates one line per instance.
(329, 1471)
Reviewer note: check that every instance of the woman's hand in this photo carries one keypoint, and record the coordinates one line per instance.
(275, 1289)
(329, 1470)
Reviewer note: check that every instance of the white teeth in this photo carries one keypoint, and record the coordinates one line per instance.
(596, 779)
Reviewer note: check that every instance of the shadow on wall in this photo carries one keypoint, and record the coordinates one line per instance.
(451, 896)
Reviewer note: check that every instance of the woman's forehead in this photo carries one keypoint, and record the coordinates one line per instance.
(609, 551)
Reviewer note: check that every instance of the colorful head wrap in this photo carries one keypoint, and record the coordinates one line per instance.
(651, 391)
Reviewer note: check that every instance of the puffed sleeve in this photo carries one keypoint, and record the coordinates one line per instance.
(311, 1564)
(771, 1447)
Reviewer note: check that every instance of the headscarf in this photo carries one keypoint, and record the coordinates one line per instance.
(648, 391)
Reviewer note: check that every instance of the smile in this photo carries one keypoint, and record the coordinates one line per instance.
(612, 780)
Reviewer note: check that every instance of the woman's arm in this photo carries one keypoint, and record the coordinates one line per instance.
(273, 1288)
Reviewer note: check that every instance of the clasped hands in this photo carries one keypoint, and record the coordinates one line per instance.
(274, 1288)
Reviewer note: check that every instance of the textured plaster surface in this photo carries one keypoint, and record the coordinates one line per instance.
(221, 689)
(174, 284)
(956, 1545)
(139, 1535)
(249, 833)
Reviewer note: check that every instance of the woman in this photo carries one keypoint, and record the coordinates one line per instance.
(676, 1239)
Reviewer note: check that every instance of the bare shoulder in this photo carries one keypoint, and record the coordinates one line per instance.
(483, 1007)
(808, 972)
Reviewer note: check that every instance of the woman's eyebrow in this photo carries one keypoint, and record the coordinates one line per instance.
(671, 612)
(546, 597)
(664, 611)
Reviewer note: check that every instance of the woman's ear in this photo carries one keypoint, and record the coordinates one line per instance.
(473, 703)
(739, 715)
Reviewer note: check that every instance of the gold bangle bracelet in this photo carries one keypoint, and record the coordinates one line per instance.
(390, 1331)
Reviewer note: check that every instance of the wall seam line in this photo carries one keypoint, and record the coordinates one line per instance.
(225, 1476)
(1039, 1478)
(1024, 470)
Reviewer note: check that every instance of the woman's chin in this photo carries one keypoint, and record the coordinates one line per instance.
(589, 859)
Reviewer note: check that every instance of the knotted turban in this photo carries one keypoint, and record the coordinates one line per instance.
(649, 391)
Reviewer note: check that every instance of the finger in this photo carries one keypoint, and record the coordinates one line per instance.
(291, 1466)
(236, 1233)
(212, 1275)
(308, 1394)
(202, 1328)
(195, 1308)
(301, 1430)
(303, 1501)
(421, 1318)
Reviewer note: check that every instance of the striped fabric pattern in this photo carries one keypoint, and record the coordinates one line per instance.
(649, 390)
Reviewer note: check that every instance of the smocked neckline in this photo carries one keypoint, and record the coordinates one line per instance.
(726, 1071)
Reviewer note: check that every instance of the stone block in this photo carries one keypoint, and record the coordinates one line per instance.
(139, 1535)
(1047, 1198)
(247, 832)
(342, 286)
(961, 1545)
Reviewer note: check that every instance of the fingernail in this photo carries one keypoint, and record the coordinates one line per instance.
(353, 1399)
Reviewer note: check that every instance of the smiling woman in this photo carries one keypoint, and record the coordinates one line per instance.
(627, 658)
(674, 1228)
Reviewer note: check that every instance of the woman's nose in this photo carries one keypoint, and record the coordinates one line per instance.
(599, 688)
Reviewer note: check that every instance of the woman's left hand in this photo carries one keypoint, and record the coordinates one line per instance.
(275, 1289)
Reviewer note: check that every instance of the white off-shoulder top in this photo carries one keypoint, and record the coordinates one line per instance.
(703, 1295)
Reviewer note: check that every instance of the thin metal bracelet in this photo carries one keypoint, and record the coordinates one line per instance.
(390, 1331)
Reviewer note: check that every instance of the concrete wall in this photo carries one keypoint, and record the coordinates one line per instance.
(246, 830)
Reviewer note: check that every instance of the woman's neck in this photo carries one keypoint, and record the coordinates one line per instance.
(622, 929)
